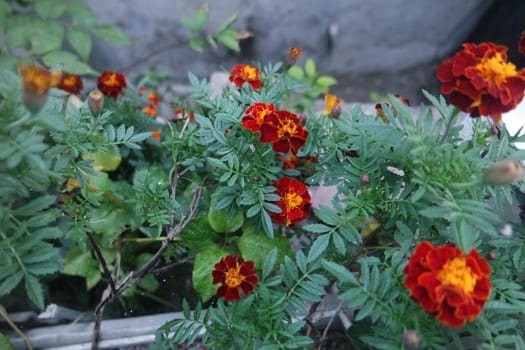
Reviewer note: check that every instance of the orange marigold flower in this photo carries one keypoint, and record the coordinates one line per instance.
(71, 83)
(254, 115)
(36, 82)
(521, 45)
(480, 81)
(150, 110)
(111, 83)
(294, 203)
(156, 135)
(244, 73)
(452, 286)
(293, 56)
(235, 276)
(284, 130)
(331, 102)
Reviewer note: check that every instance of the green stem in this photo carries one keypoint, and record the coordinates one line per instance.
(5, 316)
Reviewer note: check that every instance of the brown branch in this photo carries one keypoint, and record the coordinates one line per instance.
(24, 337)
(102, 261)
(133, 276)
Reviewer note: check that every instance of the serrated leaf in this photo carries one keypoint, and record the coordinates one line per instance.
(318, 247)
(80, 41)
(229, 38)
(34, 290)
(111, 34)
(317, 228)
(11, 282)
(36, 205)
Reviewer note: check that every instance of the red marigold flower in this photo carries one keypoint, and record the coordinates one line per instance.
(284, 130)
(244, 73)
(71, 83)
(235, 276)
(521, 45)
(480, 81)
(111, 83)
(294, 203)
(254, 115)
(452, 286)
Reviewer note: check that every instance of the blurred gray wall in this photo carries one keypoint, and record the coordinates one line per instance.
(343, 36)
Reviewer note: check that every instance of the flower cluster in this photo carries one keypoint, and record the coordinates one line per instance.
(448, 284)
(236, 277)
(479, 80)
(151, 108)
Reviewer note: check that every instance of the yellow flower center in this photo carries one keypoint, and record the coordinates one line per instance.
(261, 115)
(111, 80)
(233, 277)
(457, 273)
(70, 81)
(495, 69)
(249, 73)
(286, 128)
(292, 200)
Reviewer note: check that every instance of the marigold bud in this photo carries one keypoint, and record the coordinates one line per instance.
(411, 338)
(95, 102)
(364, 179)
(504, 172)
(336, 111)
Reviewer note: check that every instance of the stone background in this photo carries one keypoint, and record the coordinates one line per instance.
(374, 45)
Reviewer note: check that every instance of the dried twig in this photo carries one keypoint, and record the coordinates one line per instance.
(5, 316)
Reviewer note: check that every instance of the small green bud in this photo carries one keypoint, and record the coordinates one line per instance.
(95, 102)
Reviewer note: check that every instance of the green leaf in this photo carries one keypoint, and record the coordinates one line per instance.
(111, 34)
(198, 234)
(16, 34)
(317, 228)
(227, 23)
(326, 81)
(309, 68)
(202, 270)
(80, 13)
(67, 62)
(36, 205)
(46, 37)
(340, 272)
(197, 44)
(80, 41)
(229, 38)
(34, 290)
(50, 9)
(296, 73)
(318, 247)
(256, 245)
(5, 11)
(11, 282)
(225, 220)
(5, 343)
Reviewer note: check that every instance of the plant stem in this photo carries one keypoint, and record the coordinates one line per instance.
(5, 316)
